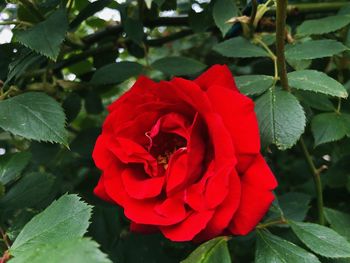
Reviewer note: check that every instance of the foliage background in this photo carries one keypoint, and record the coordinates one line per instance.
(66, 61)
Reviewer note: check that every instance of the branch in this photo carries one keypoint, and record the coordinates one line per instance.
(281, 15)
(163, 40)
(118, 29)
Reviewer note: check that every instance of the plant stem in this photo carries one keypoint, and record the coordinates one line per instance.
(15, 22)
(271, 54)
(317, 181)
(304, 8)
(281, 15)
(272, 223)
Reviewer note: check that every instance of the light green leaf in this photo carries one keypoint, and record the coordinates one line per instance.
(178, 66)
(239, 47)
(116, 73)
(34, 115)
(271, 248)
(47, 36)
(223, 10)
(323, 25)
(76, 250)
(64, 219)
(329, 127)
(339, 221)
(316, 81)
(321, 240)
(314, 49)
(277, 124)
(11, 165)
(254, 84)
(28, 191)
(212, 251)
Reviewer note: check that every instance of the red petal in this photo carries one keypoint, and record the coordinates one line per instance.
(100, 190)
(224, 212)
(138, 186)
(176, 172)
(257, 184)
(237, 113)
(187, 229)
(217, 75)
(101, 155)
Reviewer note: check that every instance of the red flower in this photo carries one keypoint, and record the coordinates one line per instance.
(184, 157)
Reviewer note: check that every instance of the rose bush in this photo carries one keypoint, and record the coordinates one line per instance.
(183, 157)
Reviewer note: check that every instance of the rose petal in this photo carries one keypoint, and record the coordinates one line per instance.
(217, 75)
(237, 113)
(138, 186)
(224, 212)
(189, 227)
(101, 155)
(176, 172)
(100, 190)
(257, 184)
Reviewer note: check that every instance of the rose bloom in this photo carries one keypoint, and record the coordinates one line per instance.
(183, 157)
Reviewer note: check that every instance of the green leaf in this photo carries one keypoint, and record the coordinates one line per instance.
(77, 250)
(316, 81)
(64, 219)
(47, 36)
(11, 165)
(329, 127)
(271, 248)
(116, 73)
(29, 191)
(339, 221)
(322, 240)
(323, 25)
(294, 205)
(315, 49)
(224, 10)
(254, 84)
(178, 66)
(316, 100)
(34, 115)
(212, 251)
(277, 124)
(134, 30)
(239, 47)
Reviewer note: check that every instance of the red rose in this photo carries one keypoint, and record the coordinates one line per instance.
(184, 157)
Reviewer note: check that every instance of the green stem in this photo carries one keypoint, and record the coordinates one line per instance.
(16, 22)
(317, 181)
(281, 15)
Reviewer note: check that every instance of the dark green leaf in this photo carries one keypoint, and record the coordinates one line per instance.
(77, 250)
(254, 84)
(316, 81)
(322, 240)
(72, 106)
(315, 49)
(11, 165)
(34, 115)
(213, 251)
(339, 221)
(224, 10)
(64, 219)
(239, 47)
(276, 124)
(134, 30)
(329, 127)
(46, 37)
(116, 73)
(93, 103)
(178, 66)
(323, 25)
(28, 191)
(271, 248)
(317, 101)
(88, 11)
(294, 205)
